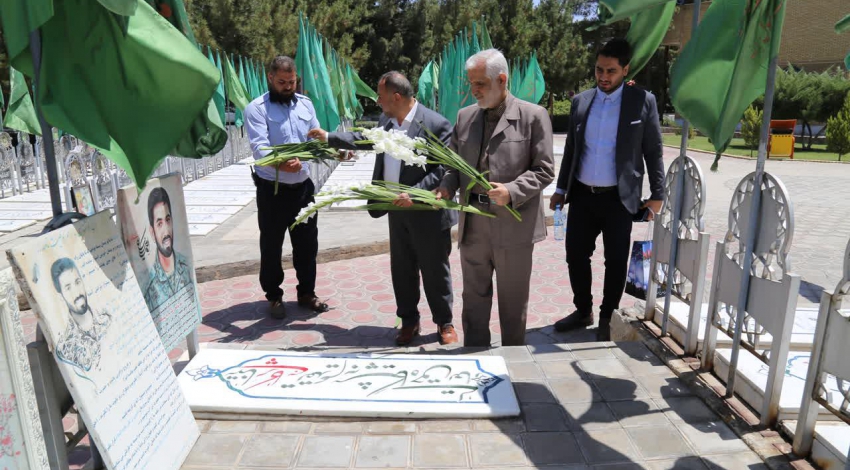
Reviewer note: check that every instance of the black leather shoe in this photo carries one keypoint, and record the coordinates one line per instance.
(603, 333)
(574, 321)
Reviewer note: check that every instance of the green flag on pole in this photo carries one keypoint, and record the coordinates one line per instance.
(207, 135)
(242, 77)
(19, 18)
(310, 63)
(425, 92)
(21, 113)
(723, 68)
(236, 93)
(486, 43)
(646, 33)
(2, 105)
(218, 96)
(532, 85)
(142, 62)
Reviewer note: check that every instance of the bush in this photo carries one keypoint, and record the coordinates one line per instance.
(751, 127)
(562, 107)
(838, 130)
(691, 131)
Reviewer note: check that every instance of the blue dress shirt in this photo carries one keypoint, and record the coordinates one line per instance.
(275, 124)
(598, 163)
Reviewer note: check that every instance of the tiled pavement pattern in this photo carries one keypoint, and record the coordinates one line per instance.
(585, 405)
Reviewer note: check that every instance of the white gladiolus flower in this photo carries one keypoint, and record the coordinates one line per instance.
(306, 210)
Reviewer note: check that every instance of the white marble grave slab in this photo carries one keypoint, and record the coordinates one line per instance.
(207, 218)
(831, 444)
(198, 199)
(222, 188)
(167, 281)
(229, 210)
(230, 381)
(5, 204)
(106, 346)
(201, 229)
(21, 437)
(12, 225)
(24, 214)
(802, 333)
(752, 375)
(36, 196)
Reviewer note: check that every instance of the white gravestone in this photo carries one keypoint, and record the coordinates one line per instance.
(156, 233)
(21, 436)
(223, 381)
(81, 286)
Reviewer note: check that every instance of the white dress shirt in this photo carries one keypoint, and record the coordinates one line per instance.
(392, 167)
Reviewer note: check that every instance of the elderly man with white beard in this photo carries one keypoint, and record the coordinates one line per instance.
(511, 140)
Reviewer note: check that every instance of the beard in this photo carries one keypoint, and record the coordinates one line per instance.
(490, 100)
(281, 98)
(79, 311)
(166, 250)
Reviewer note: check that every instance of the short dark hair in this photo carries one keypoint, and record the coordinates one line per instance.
(158, 195)
(617, 48)
(397, 83)
(282, 63)
(60, 266)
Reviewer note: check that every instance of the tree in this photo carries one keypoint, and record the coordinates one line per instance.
(838, 130)
(808, 97)
(751, 127)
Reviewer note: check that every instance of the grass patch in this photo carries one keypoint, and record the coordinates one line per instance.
(737, 147)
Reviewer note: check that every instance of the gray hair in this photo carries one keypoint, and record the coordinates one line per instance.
(493, 59)
(397, 83)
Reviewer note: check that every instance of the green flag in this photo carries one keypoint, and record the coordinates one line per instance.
(145, 71)
(2, 104)
(533, 85)
(317, 83)
(352, 92)
(486, 43)
(218, 96)
(425, 92)
(259, 79)
(841, 27)
(611, 11)
(242, 77)
(723, 68)
(646, 33)
(236, 92)
(362, 89)
(19, 18)
(21, 113)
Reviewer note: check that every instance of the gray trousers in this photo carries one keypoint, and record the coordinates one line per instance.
(512, 265)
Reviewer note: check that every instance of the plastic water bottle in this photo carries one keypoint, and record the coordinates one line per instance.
(560, 223)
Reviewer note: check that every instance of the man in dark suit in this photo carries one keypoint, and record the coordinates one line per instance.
(614, 129)
(420, 241)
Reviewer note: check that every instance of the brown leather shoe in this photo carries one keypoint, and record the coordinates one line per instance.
(313, 303)
(447, 333)
(406, 335)
(277, 309)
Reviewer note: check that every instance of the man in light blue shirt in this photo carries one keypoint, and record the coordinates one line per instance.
(282, 116)
(614, 138)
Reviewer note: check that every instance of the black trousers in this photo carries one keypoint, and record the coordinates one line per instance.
(417, 246)
(275, 213)
(589, 215)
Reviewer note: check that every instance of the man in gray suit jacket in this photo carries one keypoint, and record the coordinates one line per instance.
(614, 129)
(420, 241)
(511, 140)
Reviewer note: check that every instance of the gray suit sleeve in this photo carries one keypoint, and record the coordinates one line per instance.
(443, 130)
(541, 172)
(653, 150)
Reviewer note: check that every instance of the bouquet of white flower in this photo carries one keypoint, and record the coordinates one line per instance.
(418, 151)
(310, 150)
(383, 193)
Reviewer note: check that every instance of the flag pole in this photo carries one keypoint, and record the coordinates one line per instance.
(752, 225)
(46, 132)
(678, 203)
